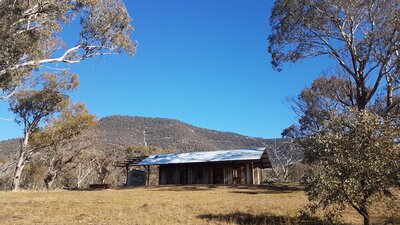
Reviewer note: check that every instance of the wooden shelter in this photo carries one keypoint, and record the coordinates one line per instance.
(135, 177)
(242, 166)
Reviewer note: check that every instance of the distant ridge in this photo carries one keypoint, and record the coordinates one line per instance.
(170, 134)
(108, 145)
(118, 132)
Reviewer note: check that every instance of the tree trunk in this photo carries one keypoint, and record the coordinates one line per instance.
(362, 93)
(362, 100)
(366, 219)
(49, 180)
(286, 174)
(365, 215)
(21, 163)
(389, 97)
(18, 172)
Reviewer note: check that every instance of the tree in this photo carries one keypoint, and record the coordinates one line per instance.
(135, 151)
(30, 35)
(84, 169)
(34, 106)
(91, 165)
(362, 38)
(326, 97)
(325, 101)
(55, 140)
(355, 156)
(5, 168)
(284, 155)
(103, 170)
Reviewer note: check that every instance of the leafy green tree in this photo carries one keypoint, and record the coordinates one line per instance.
(33, 107)
(355, 157)
(321, 104)
(30, 35)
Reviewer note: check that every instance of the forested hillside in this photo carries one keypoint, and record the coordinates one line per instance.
(123, 131)
(168, 134)
(99, 149)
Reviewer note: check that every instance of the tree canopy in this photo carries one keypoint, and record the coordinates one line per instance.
(32, 43)
(362, 37)
(35, 106)
(354, 157)
(348, 120)
(30, 35)
(73, 122)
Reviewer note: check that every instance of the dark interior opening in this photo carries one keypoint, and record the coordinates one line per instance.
(218, 177)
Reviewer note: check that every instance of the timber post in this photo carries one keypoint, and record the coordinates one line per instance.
(148, 175)
(127, 174)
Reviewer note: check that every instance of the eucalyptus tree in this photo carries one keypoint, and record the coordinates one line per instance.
(324, 98)
(31, 35)
(348, 120)
(33, 107)
(345, 146)
(362, 37)
(283, 157)
(355, 160)
(62, 139)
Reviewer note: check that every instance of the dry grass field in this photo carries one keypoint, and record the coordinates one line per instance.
(159, 205)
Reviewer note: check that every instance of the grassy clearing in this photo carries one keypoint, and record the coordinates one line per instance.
(158, 205)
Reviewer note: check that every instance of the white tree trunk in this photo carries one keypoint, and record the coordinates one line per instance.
(21, 163)
(83, 172)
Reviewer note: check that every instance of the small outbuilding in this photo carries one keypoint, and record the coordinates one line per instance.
(241, 166)
(136, 178)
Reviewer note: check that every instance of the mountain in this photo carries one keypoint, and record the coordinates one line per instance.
(99, 150)
(9, 148)
(123, 131)
(169, 134)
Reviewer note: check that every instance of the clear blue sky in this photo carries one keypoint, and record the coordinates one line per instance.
(202, 62)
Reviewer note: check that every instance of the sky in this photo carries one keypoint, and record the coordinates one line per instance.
(202, 62)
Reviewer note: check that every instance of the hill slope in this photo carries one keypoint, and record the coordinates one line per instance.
(169, 134)
(100, 149)
(123, 131)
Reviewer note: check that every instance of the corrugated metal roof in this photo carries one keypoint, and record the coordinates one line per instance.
(200, 157)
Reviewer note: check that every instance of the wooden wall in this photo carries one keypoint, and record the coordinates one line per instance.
(208, 173)
(257, 175)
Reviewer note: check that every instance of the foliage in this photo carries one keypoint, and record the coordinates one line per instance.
(326, 97)
(70, 123)
(355, 157)
(55, 140)
(30, 39)
(30, 35)
(32, 107)
(133, 151)
(4, 167)
(361, 37)
(108, 143)
(33, 176)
